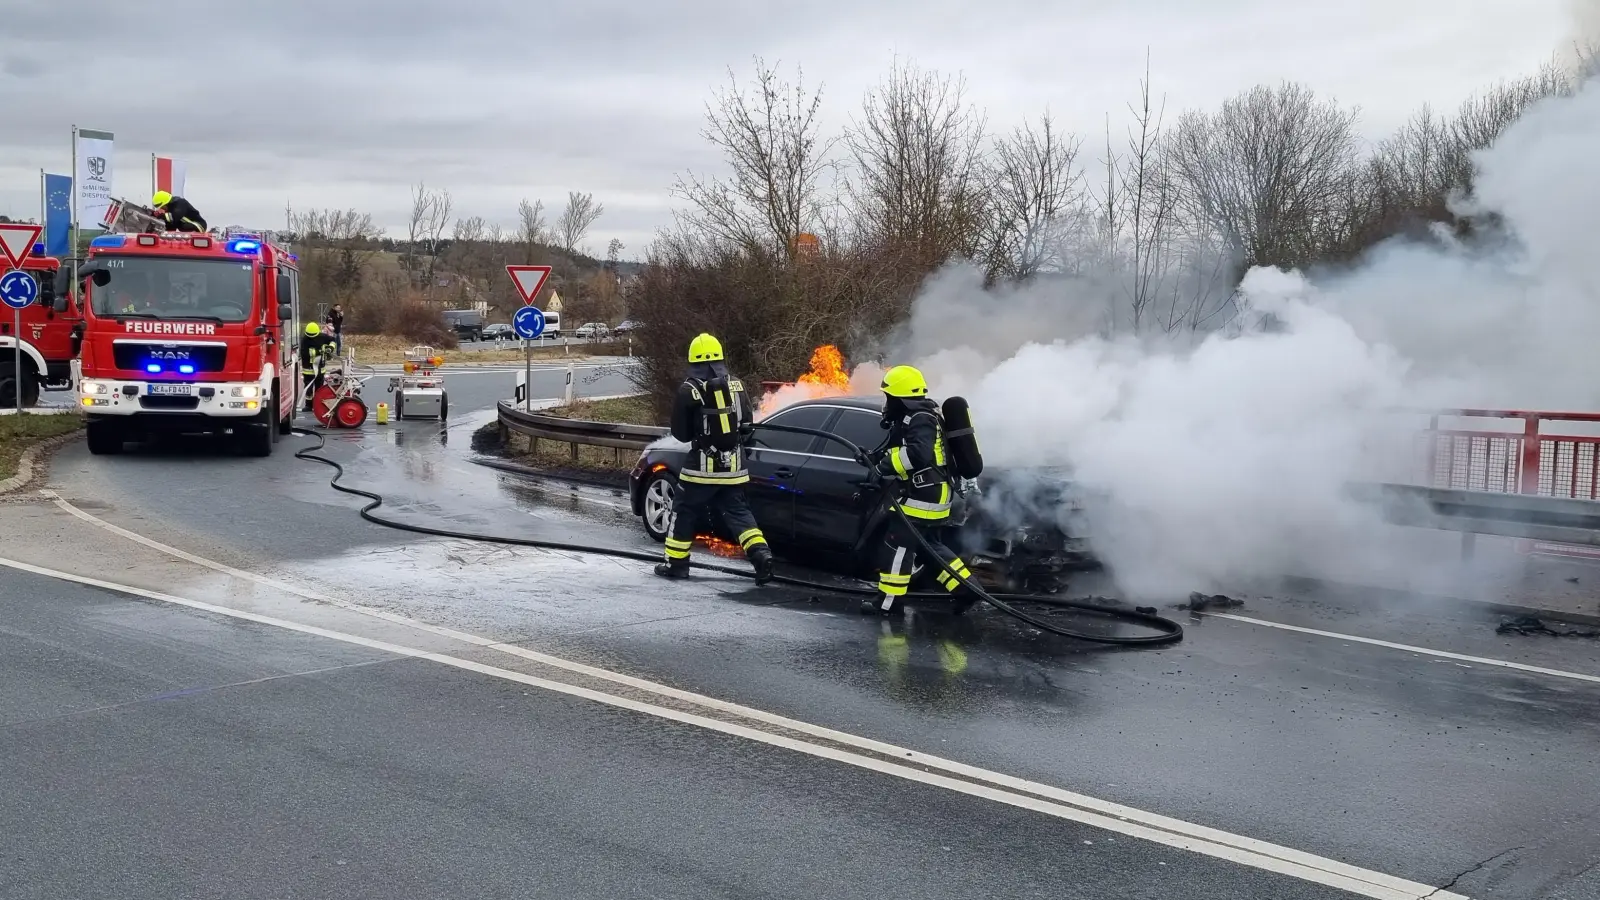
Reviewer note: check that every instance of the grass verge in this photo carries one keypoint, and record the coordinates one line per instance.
(19, 432)
(627, 410)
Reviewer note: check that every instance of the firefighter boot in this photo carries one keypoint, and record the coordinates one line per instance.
(678, 568)
(962, 600)
(761, 559)
(881, 605)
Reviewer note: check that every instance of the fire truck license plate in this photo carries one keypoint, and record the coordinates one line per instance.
(171, 390)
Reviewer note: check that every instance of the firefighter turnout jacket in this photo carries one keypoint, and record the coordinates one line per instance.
(916, 458)
(314, 353)
(180, 215)
(712, 415)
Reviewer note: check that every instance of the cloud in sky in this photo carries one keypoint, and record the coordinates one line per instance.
(348, 102)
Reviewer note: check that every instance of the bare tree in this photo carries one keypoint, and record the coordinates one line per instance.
(1150, 201)
(576, 219)
(1269, 172)
(430, 216)
(336, 249)
(531, 229)
(1035, 181)
(918, 151)
(769, 137)
(613, 251)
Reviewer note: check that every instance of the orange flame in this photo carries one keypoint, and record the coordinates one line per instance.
(719, 547)
(827, 369)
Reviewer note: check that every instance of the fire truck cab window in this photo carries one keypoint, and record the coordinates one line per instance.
(804, 417)
(157, 288)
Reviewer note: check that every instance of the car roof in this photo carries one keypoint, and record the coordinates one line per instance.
(870, 404)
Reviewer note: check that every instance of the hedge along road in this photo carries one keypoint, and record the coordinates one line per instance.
(1380, 758)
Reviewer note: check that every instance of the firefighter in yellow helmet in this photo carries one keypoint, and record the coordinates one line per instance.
(177, 214)
(315, 349)
(922, 486)
(713, 416)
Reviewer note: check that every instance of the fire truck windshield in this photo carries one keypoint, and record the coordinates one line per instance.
(175, 288)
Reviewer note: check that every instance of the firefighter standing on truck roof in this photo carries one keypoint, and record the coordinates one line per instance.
(177, 213)
(315, 348)
(922, 489)
(713, 416)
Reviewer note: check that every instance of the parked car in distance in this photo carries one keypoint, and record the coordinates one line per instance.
(466, 323)
(592, 331)
(499, 331)
(627, 327)
(552, 326)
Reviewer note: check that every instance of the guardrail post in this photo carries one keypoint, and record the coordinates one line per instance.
(1530, 454)
(574, 451)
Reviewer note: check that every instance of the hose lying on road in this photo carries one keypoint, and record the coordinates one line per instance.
(1166, 630)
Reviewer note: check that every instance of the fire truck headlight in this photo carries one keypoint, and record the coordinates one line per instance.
(92, 387)
(250, 391)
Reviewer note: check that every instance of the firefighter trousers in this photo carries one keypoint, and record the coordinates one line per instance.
(694, 502)
(311, 381)
(900, 552)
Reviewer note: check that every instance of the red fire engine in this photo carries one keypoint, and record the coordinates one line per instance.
(189, 333)
(48, 340)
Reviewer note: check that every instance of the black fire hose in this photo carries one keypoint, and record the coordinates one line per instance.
(1167, 631)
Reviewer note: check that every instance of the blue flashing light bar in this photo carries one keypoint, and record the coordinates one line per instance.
(186, 369)
(247, 247)
(109, 240)
(152, 368)
(38, 249)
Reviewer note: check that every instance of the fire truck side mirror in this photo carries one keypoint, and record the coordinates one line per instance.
(285, 312)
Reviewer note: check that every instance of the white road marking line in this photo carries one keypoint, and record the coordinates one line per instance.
(911, 756)
(1282, 861)
(1442, 654)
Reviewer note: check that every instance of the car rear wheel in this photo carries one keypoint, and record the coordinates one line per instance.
(658, 494)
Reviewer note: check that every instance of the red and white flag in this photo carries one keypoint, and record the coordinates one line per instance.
(169, 175)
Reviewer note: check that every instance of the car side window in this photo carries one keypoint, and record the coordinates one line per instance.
(803, 417)
(857, 426)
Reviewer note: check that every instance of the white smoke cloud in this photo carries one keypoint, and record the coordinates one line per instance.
(1227, 458)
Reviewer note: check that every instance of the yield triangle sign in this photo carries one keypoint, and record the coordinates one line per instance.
(16, 242)
(529, 280)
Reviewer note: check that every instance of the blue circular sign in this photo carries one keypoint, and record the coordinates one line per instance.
(18, 289)
(528, 323)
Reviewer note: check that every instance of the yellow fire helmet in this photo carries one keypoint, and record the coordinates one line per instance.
(161, 198)
(904, 382)
(312, 329)
(705, 348)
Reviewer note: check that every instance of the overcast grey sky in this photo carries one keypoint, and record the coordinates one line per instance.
(346, 103)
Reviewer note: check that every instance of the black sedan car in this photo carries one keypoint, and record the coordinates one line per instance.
(817, 506)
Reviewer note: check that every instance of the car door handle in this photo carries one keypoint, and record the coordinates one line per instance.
(783, 472)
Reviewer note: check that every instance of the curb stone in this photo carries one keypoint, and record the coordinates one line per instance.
(35, 461)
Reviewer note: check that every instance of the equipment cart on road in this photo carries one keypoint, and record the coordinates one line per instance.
(419, 393)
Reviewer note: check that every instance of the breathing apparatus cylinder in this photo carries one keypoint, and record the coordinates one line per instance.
(961, 439)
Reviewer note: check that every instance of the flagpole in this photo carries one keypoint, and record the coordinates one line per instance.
(72, 197)
(44, 203)
(155, 179)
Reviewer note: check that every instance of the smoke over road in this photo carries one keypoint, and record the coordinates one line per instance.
(1223, 457)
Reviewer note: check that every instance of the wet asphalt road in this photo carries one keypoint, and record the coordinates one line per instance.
(1419, 766)
(160, 753)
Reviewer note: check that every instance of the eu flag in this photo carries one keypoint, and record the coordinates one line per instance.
(57, 215)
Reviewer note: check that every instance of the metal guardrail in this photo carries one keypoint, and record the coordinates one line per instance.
(1556, 519)
(578, 432)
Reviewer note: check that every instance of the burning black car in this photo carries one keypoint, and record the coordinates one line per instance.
(817, 505)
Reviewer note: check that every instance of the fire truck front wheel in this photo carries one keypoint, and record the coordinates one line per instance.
(105, 438)
(257, 438)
